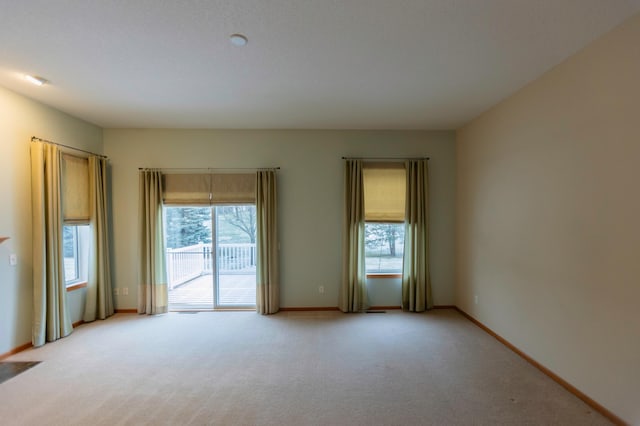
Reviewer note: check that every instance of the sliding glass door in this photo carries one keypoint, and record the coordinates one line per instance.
(235, 247)
(211, 257)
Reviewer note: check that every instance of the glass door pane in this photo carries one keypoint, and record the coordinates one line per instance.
(235, 254)
(189, 257)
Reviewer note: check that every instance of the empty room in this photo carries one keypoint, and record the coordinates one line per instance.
(320, 213)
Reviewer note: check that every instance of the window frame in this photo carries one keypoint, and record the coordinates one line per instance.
(382, 274)
(81, 255)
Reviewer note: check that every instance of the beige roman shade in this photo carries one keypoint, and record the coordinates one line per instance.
(384, 192)
(233, 188)
(186, 189)
(205, 189)
(75, 189)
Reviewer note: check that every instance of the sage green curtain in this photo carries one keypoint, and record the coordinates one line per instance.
(416, 281)
(51, 320)
(99, 299)
(152, 288)
(267, 269)
(353, 294)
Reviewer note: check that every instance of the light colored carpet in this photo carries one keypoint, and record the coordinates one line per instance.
(293, 368)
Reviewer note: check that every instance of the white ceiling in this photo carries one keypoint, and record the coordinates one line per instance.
(309, 64)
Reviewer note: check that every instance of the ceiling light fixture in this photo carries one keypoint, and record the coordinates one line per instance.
(38, 81)
(238, 39)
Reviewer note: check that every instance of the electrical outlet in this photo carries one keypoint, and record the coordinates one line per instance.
(13, 259)
(116, 291)
(321, 289)
(125, 291)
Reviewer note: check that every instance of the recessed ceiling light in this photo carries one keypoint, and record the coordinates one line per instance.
(238, 39)
(38, 81)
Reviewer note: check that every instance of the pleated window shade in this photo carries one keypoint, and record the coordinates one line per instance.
(384, 192)
(75, 189)
(199, 189)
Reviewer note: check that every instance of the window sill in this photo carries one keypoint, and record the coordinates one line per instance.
(384, 275)
(76, 286)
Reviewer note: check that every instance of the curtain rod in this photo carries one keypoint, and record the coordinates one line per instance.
(385, 158)
(210, 168)
(33, 138)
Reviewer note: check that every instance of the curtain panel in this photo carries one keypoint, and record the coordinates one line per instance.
(353, 294)
(99, 296)
(267, 268)
(416, 280)
(51, 320)
(152, 288)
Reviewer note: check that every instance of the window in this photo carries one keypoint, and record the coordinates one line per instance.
(76, 214)
(210, 226)
(384, 205)
(75, 248)
(211, 256)
(384, 247)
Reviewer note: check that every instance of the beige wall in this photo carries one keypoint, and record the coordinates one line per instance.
(310, 192)
(21, 118)
(549, 220)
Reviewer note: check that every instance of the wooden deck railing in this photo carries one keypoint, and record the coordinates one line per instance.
(187, 263)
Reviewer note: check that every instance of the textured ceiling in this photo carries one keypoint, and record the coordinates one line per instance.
(321, 64)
